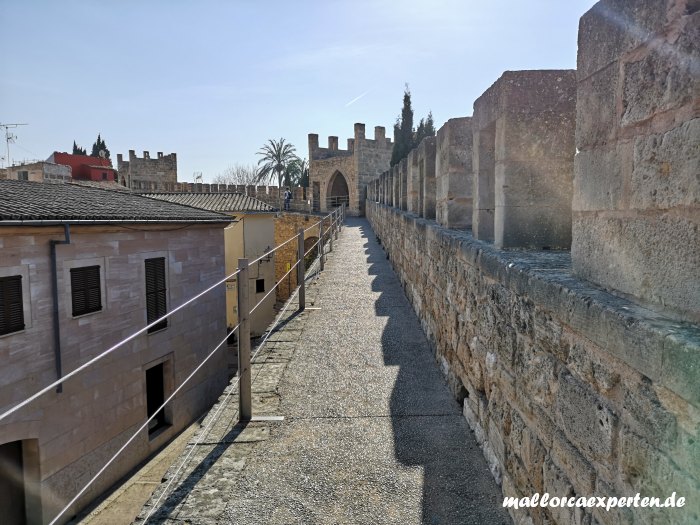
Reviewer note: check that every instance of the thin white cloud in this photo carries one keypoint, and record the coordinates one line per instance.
(357, 98)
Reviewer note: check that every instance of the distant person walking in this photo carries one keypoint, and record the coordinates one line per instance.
(287, 199)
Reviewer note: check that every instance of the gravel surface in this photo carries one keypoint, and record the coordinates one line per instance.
(371, 433)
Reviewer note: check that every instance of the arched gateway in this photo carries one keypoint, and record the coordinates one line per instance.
(338, 192)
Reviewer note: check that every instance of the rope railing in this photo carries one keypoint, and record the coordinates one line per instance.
(111, 349)
(243, 380)
(204, 433)
(140, 429)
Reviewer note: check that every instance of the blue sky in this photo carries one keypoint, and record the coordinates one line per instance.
(213, 81)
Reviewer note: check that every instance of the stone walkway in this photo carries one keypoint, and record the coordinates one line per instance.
(371, 434)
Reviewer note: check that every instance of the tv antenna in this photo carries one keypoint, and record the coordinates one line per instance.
(10, 138)
(197, 176)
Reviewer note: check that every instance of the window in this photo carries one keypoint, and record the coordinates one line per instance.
(11, 306)
(156, 304)
(259, 285)
(155, 397)
(22, 175)
(104, 175)
(85, 290)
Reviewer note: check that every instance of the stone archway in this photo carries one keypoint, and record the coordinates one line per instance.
(338, 192)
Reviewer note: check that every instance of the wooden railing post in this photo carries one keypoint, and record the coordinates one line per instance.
(301, 270)
(244, 373)
(322, 257)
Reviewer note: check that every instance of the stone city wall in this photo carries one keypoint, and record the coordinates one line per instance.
(636, 206)
(286, 226)
(578, 370)
(362, 161)
(138, 171)
(570, 390)
(268, 194)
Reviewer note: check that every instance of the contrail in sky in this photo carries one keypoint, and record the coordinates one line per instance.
(357, 98)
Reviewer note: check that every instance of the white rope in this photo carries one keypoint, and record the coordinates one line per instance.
(121, 343)
(155, 413)
(110, 350)
(221, 406)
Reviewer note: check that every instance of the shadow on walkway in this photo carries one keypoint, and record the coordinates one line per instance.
(429, 430)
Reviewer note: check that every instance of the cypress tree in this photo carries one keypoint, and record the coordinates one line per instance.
(426, 128)
(98, 146)
(77, 150)
(403, 130)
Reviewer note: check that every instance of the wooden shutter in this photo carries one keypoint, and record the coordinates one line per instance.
(156, 305)
(85, 290)
(11, 307)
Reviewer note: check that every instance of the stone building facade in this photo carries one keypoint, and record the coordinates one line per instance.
(59, 441)
(287, 225)
(340, 176)
(147, 174)
(577, 370)
(41, 171)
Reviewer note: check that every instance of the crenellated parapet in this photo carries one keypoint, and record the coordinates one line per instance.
(559, 278)
(159, 171)
(340, 176)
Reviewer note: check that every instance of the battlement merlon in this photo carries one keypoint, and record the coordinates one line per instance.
(380, 141)
(147, 156)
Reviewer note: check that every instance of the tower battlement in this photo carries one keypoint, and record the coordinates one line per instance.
(339, 176)
(332, 150)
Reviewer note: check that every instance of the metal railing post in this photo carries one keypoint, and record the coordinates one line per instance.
(244, 385)
(337, 223)
(301, 270)
(330, 233)
(322, 258)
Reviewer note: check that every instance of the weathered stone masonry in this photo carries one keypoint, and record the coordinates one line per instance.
(636, 207)
(570, 390)
(362, 161)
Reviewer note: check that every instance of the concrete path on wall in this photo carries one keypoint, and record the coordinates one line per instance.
(371, 433)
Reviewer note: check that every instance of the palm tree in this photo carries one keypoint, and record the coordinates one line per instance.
(276, 156)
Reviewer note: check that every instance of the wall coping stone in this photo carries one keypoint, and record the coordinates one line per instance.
(662, 348)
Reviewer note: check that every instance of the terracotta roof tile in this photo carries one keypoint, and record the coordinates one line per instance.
(27, 201)
(221, 202)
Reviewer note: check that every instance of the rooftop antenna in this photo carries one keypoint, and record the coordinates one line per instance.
(197, 176)
(9, 138)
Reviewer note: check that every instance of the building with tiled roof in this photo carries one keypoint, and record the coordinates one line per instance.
(31, 201)
(250, 236)
(86, 167)
(229, 202)
(82, 268)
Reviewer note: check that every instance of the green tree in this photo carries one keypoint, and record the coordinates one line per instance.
(426, 128)
(297, 173)
(403, 130)
(275, 157)
(405, 137)
(77, 150)
(98, 147)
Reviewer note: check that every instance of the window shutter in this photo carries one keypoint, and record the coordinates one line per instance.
(156, 303)
(85, 290)
(11, 306)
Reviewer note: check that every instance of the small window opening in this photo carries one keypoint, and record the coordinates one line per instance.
(11, 305)
(155, 396)
(259, 285)
(85, 290)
